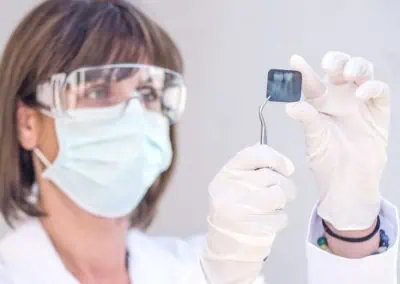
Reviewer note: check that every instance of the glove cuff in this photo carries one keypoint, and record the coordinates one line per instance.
(222, 271)
(349, 217)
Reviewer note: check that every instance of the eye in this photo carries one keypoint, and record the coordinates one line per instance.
(96, 92)
(99, 94)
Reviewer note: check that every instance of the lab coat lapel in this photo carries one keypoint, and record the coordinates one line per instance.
(149, 262)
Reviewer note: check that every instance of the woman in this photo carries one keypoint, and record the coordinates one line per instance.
(89, 95)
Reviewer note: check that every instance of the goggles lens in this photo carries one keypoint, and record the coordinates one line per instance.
(159, 90)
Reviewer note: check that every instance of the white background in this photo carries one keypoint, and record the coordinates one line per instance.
(229, 46)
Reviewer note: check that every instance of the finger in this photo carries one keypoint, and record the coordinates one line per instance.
(261, 156)
(264, 201)
(263, 179)
(374, 90)
(308, 116)
(261, 194)
(237, 187)
(243, 222)
(312, 85)
(333, 64)
(358, 70)
(376, 95)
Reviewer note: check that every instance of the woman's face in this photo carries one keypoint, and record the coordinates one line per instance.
(105, 91)
(99, 151)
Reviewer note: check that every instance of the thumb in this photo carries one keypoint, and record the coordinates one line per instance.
(308, 116)
(313, 86)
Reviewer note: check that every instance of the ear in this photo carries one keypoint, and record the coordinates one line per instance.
(28, 126)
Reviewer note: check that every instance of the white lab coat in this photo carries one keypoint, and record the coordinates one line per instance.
(28, 257)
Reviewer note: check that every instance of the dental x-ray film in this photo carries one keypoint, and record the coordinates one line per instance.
(284, 85)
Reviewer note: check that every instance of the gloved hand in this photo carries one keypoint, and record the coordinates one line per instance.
(346, 122)
(247, 199)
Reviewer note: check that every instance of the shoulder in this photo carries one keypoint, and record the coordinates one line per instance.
(29, 230)
(20, 245)
(5, 278)
(10, 247)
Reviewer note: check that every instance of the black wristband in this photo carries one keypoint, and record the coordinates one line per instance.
(353, 240)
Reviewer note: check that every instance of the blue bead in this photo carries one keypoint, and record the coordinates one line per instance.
(384, 239)
(322, 241)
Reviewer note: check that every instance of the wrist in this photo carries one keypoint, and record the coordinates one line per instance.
(357, 249)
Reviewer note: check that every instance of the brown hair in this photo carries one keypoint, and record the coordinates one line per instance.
(60, 36)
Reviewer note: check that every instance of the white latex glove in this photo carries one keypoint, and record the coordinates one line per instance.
(247, 199)
(346, 122)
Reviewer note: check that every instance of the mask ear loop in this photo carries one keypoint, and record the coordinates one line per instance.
(263, 136)
(42, 157)
(34, 197)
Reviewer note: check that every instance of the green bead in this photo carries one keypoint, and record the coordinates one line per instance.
(322, 241)
(324, 247)
(381, 250)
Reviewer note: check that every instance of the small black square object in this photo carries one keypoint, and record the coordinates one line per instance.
(284, 85)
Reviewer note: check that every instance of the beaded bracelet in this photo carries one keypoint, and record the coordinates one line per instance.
(383, 243)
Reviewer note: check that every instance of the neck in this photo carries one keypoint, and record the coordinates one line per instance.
(92, 248)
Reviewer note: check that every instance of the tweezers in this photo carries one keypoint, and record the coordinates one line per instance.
(263, 136)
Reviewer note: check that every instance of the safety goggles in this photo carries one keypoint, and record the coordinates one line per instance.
(159, 90)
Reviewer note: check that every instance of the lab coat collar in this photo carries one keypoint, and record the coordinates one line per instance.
(29, 256)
